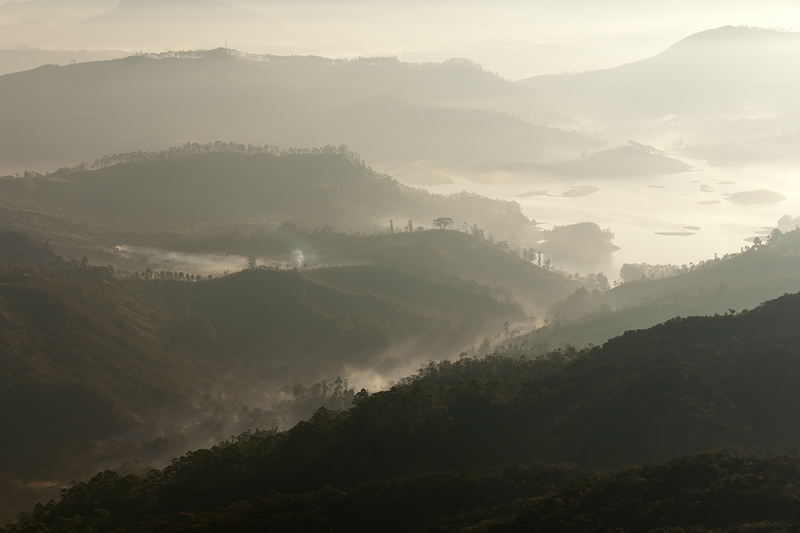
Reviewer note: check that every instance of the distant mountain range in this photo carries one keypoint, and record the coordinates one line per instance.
(393, 113)
(724, 72)
(398, 115)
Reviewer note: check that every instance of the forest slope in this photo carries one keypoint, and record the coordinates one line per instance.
(677, 388)
(86, 354)
(439, 255)
(736, 281)
(224, 184)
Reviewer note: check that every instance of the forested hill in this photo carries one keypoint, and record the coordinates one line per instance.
(18, 247)
(449, 114)
(88, 356)
(328, 186)
(445, 256)
(677, 388)
(735, 281)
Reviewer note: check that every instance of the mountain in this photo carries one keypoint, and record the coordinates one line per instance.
(657, 394)
(107, 362)
(449, 297)
(735, 281)
(468, 257)
(217, 185)
(723, 85)
(463, 260)
(30, 58)
(728, 71)
(16, 247)
(393, 113)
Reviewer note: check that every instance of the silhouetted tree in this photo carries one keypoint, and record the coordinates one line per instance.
(443, 222)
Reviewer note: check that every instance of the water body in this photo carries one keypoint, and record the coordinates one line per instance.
(636, 212)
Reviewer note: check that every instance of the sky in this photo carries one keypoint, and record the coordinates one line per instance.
(516, 39)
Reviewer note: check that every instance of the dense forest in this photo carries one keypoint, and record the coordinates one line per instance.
(253, 336)
(737, 281)
(89, 353)
(676, 389)
(219, 184)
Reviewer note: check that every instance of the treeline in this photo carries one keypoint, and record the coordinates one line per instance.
(731, 491)
(643, 271)
(195, 148)
(638, 271)
(371, 61)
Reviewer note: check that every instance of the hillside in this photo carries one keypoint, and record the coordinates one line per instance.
(101, 360)
(464, 260)
(736, 281)
(211, 185)
(393, 113)
(713, 491)
(446, 296)
(18, 247)
(724, 72)
(678, 388)
(471, 258)
(30, 58)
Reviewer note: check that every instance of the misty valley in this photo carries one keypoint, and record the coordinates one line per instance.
(284, 289)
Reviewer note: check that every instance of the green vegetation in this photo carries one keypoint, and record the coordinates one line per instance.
(200, 190)
(717, 491)
(17, 247)
(678, 388)
(329, 186)
(86, 355)
(462, 259)
(732, 282)
(446, 296)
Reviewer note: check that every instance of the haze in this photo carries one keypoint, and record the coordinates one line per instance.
(513, 38)
(456, 234)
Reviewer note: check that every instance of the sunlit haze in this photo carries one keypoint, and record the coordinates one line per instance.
(383, 265)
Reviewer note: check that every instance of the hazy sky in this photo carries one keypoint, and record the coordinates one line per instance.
(515, 38)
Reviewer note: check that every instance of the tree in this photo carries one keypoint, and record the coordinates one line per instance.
(251, 263)
(360, 396)
(443, 222)
(298, 390)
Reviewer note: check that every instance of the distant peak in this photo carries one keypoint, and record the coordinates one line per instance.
(733, 35)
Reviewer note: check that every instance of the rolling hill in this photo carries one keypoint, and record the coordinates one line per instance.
(678, 388)
(736, 281)
(393, 113)
(93, 357)
(201, 187)
(724, 72)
